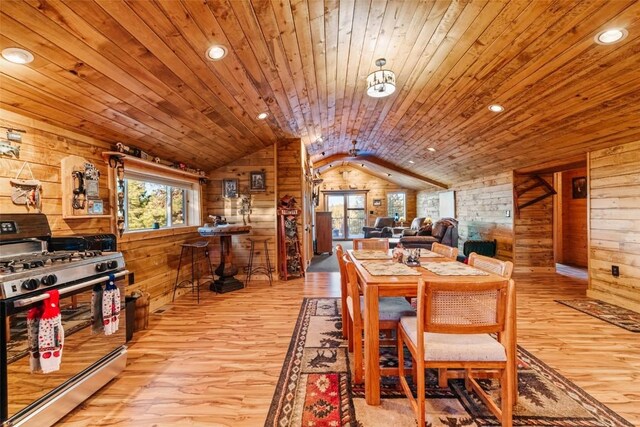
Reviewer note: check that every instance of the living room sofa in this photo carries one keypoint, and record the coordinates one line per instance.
(444, 231)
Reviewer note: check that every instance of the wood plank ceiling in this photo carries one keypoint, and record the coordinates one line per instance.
(136, 71)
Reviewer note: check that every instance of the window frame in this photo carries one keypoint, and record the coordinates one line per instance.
(192, 196)
(402, 214)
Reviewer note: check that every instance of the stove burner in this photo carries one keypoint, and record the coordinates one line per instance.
(33, 261)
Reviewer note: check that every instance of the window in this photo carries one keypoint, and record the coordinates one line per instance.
(396, 205)
(155, 201)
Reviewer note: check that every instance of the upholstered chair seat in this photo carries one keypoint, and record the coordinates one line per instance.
(392, 309)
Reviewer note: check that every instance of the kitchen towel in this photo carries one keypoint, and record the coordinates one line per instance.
(96, 309)
(51, 334)
(111, 306)
(33, 324)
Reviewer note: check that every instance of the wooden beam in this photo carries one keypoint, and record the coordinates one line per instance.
(339, 157)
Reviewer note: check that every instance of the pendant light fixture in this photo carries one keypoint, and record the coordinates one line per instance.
(381, 82)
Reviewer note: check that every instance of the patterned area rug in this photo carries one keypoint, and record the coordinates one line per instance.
(626, 319)
(315, 389)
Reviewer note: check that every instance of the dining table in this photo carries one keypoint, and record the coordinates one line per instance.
(397, 281)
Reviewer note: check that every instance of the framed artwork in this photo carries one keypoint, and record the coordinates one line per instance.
(377, 202)
(257, 181)
(579, 187)
(230, 188)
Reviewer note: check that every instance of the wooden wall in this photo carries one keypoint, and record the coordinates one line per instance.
(151, 256)
(263, 205)
(615, 225)
(481, 209)
(356, 179)
(574, 222)
(533, 229)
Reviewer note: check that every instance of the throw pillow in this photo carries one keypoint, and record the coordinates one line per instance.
(425, 230)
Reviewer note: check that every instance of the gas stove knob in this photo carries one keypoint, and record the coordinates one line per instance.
(30, 285)
(49, 280)
(101, 266)
(112, 264)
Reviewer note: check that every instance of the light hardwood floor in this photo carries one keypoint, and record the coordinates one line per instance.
(217, 363)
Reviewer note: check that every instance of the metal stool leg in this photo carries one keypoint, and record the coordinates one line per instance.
(266, 252)
(250, 266)
(175, 286)
(206, 254)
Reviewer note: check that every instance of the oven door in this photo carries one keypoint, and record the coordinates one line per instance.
(22, 391)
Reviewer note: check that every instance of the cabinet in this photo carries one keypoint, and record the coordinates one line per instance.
(324, 241)
(289, 254)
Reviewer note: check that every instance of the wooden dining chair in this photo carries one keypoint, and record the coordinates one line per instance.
(452, 330)
(491, 265)
(390, 309)
(343, 292)
(444, 250)
(371, 244)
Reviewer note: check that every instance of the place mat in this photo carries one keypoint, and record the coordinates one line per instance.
(452, 269)
(389, 268)
(370, 254)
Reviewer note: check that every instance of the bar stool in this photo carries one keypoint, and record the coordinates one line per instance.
(260, 269)
(195, 270)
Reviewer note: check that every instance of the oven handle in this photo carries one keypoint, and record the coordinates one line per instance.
(42, 297)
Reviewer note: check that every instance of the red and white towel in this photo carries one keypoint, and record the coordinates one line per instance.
(33, 325)
(111, 306)
(50, 334)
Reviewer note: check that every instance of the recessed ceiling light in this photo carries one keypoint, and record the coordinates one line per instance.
(17, 55)
(431, 149)
(496, 108)
(611, 36)
(262, 116)
(411, 161)
(216, 52)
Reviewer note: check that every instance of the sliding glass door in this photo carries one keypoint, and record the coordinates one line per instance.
(348, 214)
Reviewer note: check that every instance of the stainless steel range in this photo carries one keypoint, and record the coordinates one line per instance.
(28, 270)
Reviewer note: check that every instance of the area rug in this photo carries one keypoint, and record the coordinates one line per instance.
(626, 319)
(315, 389)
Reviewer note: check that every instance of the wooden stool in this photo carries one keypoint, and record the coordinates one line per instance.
(195, 271)
(261, 269)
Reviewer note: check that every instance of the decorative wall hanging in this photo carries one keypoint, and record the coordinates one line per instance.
(26, 191)
(230, 188)
(7, 149)
(257, 181)
(245, 208)
(579, 187)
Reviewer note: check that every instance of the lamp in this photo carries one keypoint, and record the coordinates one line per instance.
(381, 83)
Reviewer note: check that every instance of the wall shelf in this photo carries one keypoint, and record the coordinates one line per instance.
(132, 160)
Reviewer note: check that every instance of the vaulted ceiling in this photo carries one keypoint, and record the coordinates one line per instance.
(136, 71)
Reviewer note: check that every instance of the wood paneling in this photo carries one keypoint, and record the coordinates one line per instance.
(263, 206)
(615, 225)
(533, 228)
(136, 71)
(347, 178)
(152, 256)
(481, 209)
(574, 222)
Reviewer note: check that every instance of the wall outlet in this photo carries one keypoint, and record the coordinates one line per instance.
(615, 270)
(507, 214)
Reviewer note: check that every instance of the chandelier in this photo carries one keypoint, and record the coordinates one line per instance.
(353, 152)
(381, 82)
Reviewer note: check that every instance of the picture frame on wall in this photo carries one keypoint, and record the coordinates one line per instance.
(579, 187)
(230, 188)
(377, 202)
(257, 181)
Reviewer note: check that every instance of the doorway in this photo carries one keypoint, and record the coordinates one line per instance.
(348, 214)
(570, 218)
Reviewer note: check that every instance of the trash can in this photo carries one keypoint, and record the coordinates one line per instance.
(130, 307)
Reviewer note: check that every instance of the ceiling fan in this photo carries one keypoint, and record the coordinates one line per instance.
(354, 152)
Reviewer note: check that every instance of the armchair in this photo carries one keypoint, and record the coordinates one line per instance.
(415, 226)
(381, 228)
